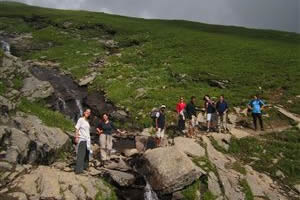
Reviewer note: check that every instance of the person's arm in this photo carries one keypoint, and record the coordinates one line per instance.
(249, 105)
(116, 129)
(226, 107)
(77, 133)
(178, 108)
(99, 129)
(262, 105)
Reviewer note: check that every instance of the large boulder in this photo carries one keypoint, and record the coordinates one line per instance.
(51, 183)
(31, 141)
(169, 170)
(189, 146)
(34, 88)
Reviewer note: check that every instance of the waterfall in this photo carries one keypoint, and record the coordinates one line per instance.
(5, 46)
(61, 104)
(149, 193)
(79, 106)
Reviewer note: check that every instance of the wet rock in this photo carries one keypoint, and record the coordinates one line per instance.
(189, 146)
(123, 179)
(162, 171)
(34, 88)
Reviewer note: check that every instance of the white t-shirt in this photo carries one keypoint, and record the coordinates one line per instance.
(157, 115)
(84, 129)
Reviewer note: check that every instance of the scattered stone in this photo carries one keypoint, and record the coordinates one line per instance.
(216, 83)
(163, 173)
(87, 79)
(140, 93)
(18, 195)
(6, 166)
(297, 187)
(288, 114)
(130, 152)
(189, 146)
(279, 174)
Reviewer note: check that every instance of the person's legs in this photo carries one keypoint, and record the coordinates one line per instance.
(81, 153)
(86, 159)
(260, 121)
(254, 116)
(208, 121)
(109, 145)
(158, 137)
(102, 142)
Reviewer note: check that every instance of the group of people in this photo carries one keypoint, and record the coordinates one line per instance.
(104, 129)
(215, 115)
(187, 122)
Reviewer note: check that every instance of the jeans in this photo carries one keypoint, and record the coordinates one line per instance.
(255, 117)
(82, 161)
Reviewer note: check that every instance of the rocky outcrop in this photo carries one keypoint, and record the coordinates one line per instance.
(189, 146)
(168, 169)
(28, 140)
(51, 183)
(36, 89)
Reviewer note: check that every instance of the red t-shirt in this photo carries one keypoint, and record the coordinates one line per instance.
(180, 107)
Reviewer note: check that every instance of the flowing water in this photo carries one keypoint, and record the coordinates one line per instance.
(5, 46)
(149, 193)
(79, 106)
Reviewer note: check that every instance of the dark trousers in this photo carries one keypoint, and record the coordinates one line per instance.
(181, 123)
(82, 161)
(255, 117)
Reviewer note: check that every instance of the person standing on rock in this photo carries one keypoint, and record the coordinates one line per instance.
(160, 122)
(209, 111)
(105, 129)
(180, 108)
(191, 116)
(222, 108)
(256, 105)
(83, 141)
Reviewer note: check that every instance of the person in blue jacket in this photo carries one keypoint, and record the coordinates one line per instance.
(256, 105)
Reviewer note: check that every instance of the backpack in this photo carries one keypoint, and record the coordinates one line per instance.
(153, 113)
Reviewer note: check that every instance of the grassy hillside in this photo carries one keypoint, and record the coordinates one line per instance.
(165, 58)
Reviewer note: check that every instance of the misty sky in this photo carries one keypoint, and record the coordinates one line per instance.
(266, 14)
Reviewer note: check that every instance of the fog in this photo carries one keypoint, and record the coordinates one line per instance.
(264, 14)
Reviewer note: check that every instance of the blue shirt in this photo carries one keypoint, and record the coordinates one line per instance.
(256, 105)
(222, 106)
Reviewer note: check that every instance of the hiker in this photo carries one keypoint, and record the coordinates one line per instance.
(83, 141)
(105, 129)
(180, 108)
(256, 105)
(210, 110)
(191, 116)
(222, 108)
(160, 122)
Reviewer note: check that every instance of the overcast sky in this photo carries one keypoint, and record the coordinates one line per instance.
(266, 14)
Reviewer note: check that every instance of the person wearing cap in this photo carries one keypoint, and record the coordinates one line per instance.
(160, 123)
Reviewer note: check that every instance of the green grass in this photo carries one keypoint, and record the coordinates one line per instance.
(283, 146)
(208, 196)
(190, 193)
(112, 196)
(49, 117)
(167, 58)
(205, 164)
(247, 190)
